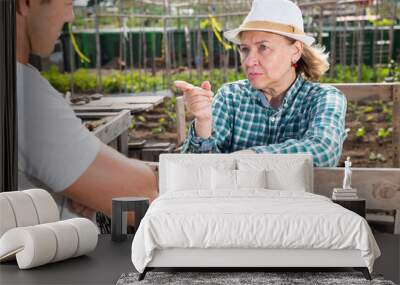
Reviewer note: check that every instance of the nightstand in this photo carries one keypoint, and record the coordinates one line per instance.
(356, 205)
(120, 207)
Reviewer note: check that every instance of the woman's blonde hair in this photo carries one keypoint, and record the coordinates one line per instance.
(313, 62)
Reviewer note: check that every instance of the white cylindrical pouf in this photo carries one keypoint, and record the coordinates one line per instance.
(34, 246)
(23, 208)
(87, 234)
(45, 205)
(67, 239)
(7, 218)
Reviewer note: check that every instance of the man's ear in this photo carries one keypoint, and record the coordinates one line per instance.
(23, 7)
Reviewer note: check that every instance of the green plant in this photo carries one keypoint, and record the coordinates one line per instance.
(133, 123)
(376, 157)
(360, 132)
(84, 81)
(141, 118)
(351, 106)
(59, 81)
(367, 109)
(382, 133)
(346, 74)
(158, 130)
(386, 109)
(393, 72)
(385, 22)
(169, 108)
(380, 157)
(372, 156)
(370, 118)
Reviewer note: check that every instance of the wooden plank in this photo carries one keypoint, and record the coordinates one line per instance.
(362, 91)
(95, 115)
(166, 50)
(113, 129)
(199, 51)
(379, 186)
(140, 102)
(135, 104)
(133, 108)
(396, 126)
(113, 144)
(153, 165)
(164, 93)
(110, 101)
(157, 145)
(188, 50)
(94, 124)
(180, 120)
(122, 143)
(153, 153)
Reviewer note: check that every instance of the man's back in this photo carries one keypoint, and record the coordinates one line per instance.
(54, 147)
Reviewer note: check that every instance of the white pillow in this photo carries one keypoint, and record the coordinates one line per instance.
(223, 179)
(188, 177)
(231, 180)
(292, 177)
(283, 172)
(251, 178)
(192, 175)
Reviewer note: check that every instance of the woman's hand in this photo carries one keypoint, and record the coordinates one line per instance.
(198, 101)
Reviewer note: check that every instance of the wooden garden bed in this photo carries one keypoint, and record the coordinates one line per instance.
(110, 127)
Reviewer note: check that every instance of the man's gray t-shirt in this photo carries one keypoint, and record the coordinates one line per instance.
(54, 148)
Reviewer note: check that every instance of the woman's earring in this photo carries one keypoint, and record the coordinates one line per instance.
(294, 64)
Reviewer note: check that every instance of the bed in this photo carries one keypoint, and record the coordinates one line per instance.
(246, 211)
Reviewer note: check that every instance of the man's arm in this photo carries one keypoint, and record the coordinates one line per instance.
(111, 175)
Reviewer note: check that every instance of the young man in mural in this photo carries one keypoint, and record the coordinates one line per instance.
(54, 150)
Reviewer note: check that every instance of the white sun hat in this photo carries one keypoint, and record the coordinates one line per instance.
(281, 17)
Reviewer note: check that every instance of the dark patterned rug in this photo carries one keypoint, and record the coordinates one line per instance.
(242, 278)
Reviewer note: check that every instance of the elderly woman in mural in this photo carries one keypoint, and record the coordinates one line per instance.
(279, 108)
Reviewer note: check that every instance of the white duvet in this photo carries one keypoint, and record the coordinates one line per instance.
(250, 219)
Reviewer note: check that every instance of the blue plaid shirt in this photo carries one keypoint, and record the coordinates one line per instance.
(310, 119)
